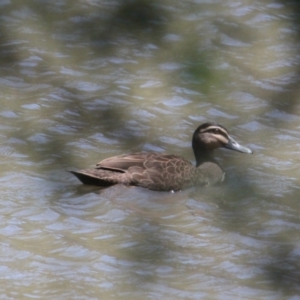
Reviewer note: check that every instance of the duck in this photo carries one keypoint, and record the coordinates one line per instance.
(167, 172)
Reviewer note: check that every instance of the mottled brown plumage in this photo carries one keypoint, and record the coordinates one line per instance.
(163, 172)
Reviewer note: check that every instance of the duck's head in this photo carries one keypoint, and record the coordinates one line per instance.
(210, 136)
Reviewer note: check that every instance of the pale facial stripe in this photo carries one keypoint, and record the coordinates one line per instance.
(222, 136)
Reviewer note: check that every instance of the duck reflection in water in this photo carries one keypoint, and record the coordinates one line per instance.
(164, 172)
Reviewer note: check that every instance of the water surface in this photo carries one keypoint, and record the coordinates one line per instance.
(84, 80)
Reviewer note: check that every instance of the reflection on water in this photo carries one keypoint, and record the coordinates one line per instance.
(88, 80)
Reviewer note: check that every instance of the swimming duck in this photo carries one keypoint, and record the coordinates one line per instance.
(164, 172)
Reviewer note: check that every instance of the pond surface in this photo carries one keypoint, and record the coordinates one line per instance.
(85, 80)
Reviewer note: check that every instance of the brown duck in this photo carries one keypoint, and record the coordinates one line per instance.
(164, 172)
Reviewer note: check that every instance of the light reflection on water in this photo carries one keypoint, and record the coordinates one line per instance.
(70, 99)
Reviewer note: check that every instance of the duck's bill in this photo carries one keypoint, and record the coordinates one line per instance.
(233, 145)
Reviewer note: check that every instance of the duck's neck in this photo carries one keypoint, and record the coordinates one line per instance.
(204, 156)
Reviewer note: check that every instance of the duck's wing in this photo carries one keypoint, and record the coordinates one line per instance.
(150, 170)
(128, 169)
(123, 163)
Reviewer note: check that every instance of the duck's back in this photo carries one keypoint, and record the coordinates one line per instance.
(154, 171)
